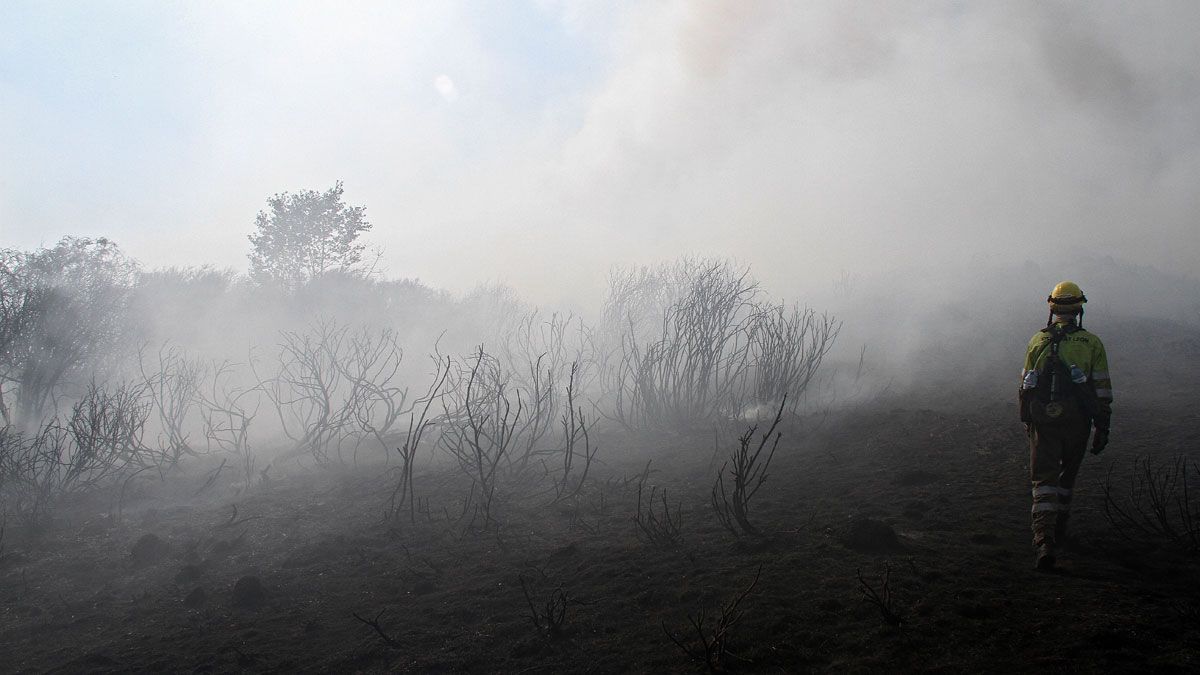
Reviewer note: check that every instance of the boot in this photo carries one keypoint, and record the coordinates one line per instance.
(1061, 533)
(1045, 557)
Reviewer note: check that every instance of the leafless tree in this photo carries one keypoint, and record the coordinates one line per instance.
(638, 297)
(718, 352)
(747, 473)
(173, 387)
(107, 426)
(404, 492)
(371, 365)
(787, 349)
(11, 450)
(33, 469)
(541, 356)
(695, 366)
(98, 443)
(332, 385)
(541, 404)
(479, 429)
(305, 389)
(575, 459)
(227, 414)
(556, 344)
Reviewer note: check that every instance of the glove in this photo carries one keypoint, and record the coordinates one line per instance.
(1099, 441)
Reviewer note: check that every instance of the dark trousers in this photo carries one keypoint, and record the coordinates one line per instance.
(1055, 454)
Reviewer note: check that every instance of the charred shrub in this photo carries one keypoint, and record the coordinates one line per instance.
(878, 594)
(98, 444)
(549, 614)
(710, 643)
(660, 528)
(1161, 500)
(747, 469)
(335, 388)
(696, 341)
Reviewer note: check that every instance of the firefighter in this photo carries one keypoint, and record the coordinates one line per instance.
(1065, 393)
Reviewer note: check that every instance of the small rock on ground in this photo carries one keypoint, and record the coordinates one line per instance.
(196, 598)
(867, 534)
(248, 592)
(148, 549)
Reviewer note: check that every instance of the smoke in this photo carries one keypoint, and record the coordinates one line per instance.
(818, 138)
(538, 146)
(925, 172)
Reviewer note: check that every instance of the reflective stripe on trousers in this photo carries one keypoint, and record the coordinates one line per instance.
(1055, 455)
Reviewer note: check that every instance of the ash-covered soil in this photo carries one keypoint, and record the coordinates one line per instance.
(930, 493)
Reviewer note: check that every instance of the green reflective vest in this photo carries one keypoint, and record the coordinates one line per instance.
(1079, 348)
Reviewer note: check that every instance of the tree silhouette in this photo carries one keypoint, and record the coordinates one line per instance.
(60, 308)
(304, 235)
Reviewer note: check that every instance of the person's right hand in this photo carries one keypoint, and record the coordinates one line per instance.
(1099, 441)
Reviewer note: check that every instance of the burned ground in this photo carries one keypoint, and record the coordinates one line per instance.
(930, 494)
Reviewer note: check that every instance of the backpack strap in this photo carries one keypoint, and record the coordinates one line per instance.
(1057, 334)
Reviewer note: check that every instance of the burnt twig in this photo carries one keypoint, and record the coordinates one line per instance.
(881, 598)
(211, 479)
(1159, 503)
(550, 618)
(374, 624)
(660, 531)
(713, 647)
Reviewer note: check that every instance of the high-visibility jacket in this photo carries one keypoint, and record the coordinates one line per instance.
(1077, 348)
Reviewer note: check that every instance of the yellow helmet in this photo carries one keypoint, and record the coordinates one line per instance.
(1066, 298)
